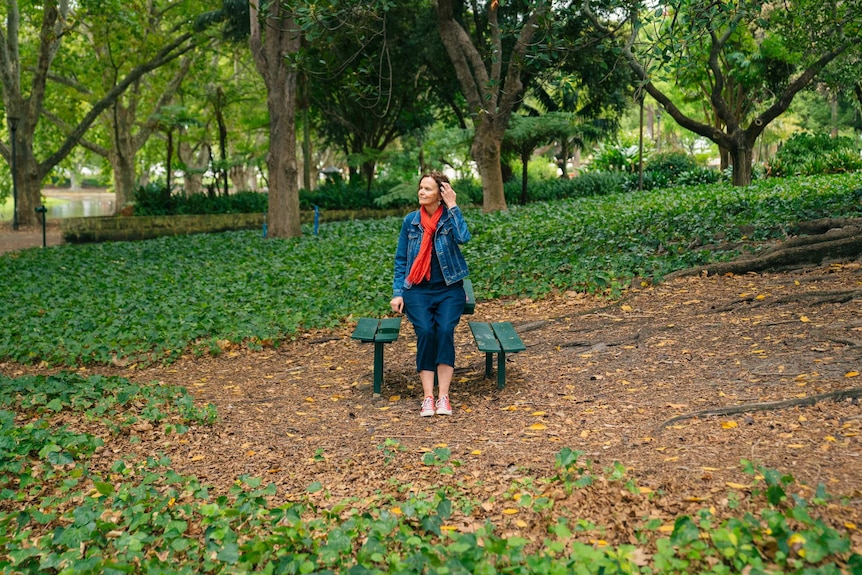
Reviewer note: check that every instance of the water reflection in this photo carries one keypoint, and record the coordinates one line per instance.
(70, 205)
(81, 207)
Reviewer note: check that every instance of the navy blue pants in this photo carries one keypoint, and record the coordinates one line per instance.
(434, 312)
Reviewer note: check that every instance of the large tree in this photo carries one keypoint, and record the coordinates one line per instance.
(489, 66)
(371, 82)
(26, 76)
(752, 57)
(274, 37)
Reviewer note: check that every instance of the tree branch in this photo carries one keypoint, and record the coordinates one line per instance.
(170, 52)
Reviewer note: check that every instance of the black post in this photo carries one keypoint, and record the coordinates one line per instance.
(43, 211)
(13, 128)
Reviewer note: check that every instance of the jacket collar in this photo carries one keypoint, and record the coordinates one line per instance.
(417, 215)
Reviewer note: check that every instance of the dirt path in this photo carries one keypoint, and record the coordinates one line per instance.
(28, 237)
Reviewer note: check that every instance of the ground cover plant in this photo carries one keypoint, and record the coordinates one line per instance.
(151, 301)
(61, 512)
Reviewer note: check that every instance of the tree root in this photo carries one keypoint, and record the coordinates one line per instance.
(836, 243)
(768, 406)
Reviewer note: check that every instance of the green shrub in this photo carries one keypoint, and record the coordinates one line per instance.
(338, 194)
(151, 200)
(671, 169)
(812, 154)
(585, 185)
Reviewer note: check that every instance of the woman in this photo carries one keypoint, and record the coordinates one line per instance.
(428, 286)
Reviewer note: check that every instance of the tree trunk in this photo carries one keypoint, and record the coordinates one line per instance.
(29, 183)
(307, 181)
(741, 155)
(195, 166)
(270, 50)
(486, 153)
(243, 178)
(491, 97)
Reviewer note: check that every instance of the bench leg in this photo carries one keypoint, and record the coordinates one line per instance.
(489, 364)
(378, 368)
(501, 370)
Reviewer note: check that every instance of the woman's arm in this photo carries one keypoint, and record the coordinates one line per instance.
(459, 224)
(400, 261)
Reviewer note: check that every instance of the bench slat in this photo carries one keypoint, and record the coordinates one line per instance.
(366, 329)
(509, 339)
(388, 330)
(470, 304)
(484, 336)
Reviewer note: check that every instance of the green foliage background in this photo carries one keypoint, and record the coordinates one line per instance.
(153, 300)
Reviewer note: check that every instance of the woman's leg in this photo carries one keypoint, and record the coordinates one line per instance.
(448, 315)
(419, 307)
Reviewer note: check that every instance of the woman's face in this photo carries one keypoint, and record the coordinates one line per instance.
(429, 192)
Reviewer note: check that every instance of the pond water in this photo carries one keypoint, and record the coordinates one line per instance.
(62, 204)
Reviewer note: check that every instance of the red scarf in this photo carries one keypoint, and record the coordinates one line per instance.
(421, 269)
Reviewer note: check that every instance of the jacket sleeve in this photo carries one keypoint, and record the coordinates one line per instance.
(400, 261)
(462, 234)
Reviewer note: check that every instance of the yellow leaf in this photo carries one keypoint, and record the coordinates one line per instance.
(396, 511)
(796, 538)
(309, 399)
(448, 528)
(666, 528)
(829, 438)
(626, 307)
(673, 458)
(395, 398)
(804, 319)
(796, 446)
(197, 457)
(476, 452)
(510, 408)
(250, 452)
(849, 525)
(851, 374)
(760, 297)
(736, 485)
(728, 424)
(521, 523)
(441, 445)
(510, 511)
(538, 413)
(584, 433)
(538, 427)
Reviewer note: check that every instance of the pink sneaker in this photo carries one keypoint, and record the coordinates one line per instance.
(427, 407)
(443, 406)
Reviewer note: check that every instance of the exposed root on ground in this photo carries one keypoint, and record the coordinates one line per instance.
(838, 395)
(825, 239)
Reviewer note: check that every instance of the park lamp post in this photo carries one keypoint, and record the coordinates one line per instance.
(13, 128)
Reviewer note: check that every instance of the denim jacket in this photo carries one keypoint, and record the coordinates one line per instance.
(451, 231)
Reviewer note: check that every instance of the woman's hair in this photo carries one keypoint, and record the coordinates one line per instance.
(438, 177)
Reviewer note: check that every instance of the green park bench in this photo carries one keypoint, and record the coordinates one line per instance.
(386, 330)
(500, 338)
